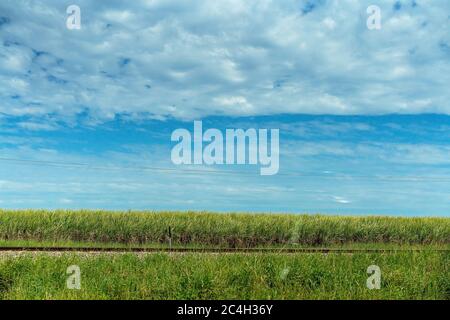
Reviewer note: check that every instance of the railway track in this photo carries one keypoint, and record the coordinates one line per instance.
(212, 250)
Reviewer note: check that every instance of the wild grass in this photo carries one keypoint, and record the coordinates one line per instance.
(227, 230)
(406, 275)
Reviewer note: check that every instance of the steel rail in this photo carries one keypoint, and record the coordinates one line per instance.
(214, 250)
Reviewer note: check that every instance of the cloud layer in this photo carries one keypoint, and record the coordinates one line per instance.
(166, 58)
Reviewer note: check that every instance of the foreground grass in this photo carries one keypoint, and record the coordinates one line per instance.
(405, 275)
(226, 230)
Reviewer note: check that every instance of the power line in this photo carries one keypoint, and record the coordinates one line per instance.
(338, 176)
(145, 168)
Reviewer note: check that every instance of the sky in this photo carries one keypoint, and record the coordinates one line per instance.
(86, 115)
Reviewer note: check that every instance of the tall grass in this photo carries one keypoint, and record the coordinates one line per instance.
(232, 230)
(404, 275)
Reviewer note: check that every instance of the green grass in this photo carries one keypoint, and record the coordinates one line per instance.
(405, 275)
(226, 230)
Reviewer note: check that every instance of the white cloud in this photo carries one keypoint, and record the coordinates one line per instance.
(33, 126)
(388, 153)
(163, 59)
(341, 200)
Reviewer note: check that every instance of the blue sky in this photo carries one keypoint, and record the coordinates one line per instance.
(363, 114)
